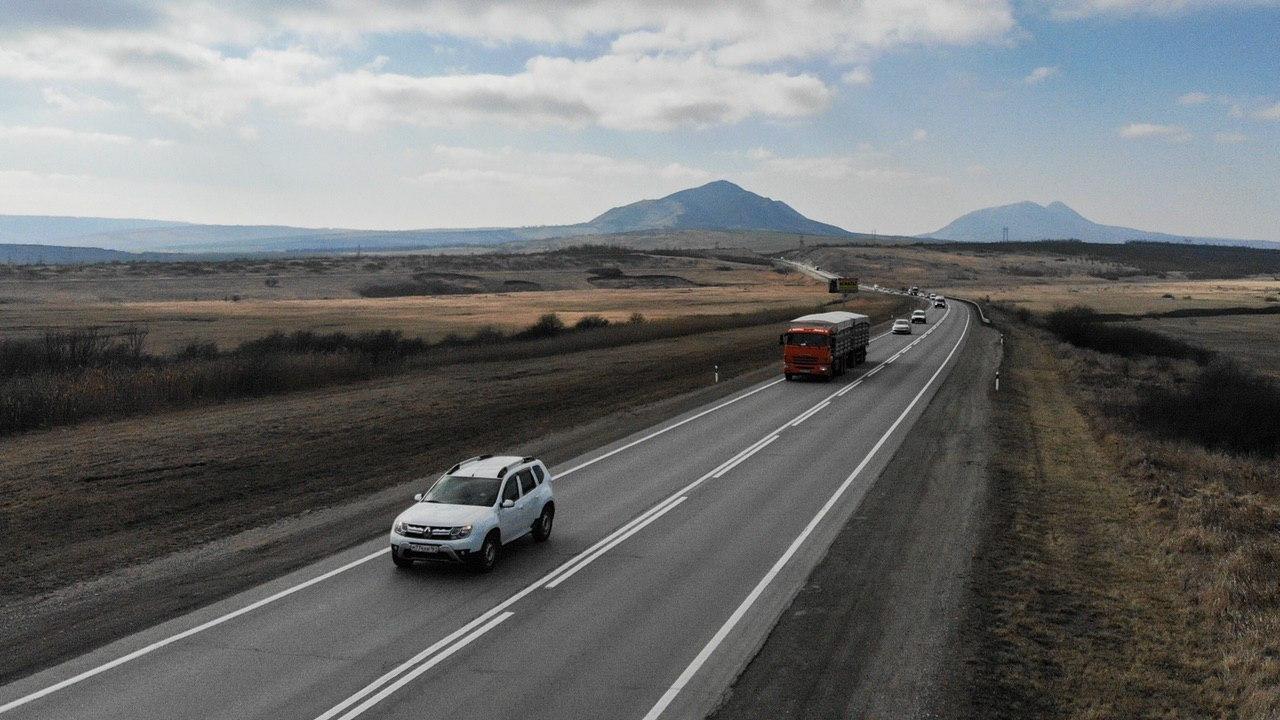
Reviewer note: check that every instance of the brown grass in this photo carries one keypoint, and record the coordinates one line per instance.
(1125, 576)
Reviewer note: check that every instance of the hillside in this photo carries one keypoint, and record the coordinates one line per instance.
(1055, 221)
(718, 205)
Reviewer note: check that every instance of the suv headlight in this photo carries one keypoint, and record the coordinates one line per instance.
(460, 532)
(398, 528)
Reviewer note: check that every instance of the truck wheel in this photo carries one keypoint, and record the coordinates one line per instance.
(486, 558)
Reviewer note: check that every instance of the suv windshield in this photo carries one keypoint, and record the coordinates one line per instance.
(455, 490)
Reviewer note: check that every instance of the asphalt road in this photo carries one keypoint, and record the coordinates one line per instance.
(675, 550)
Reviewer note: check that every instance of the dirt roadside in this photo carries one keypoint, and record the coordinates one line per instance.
(874, 632)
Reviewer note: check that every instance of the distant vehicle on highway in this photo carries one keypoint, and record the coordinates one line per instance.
(824, 344)
(901, 326)
(919, 317)
(939, 302)
(914, 290)
(474, 509)
(933, 296)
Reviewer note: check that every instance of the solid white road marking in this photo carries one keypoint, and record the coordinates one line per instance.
(668, 428)
(810, 412)
(742, 458)
(701, 658)
(587, 561)
(435, 660)
(185, 633)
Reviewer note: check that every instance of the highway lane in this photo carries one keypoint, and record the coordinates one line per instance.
(607, 641)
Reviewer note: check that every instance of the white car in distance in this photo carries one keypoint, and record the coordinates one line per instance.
(919, 317)
(474, 509)
(901, 326)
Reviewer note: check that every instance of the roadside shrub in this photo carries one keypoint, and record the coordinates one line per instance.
(1081, 327)
(546, 326)
(198, 351)
(1224, 408)
(590, 322)
(635, 319)
(68, 350)
(487, 335)
(380, 345)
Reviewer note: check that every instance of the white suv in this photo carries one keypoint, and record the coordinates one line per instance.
(474, 509)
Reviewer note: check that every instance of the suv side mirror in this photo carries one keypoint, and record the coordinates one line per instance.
(417, 497)
(782, 339)
(508, 503)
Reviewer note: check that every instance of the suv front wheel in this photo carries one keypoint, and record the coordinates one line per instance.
(486, 558)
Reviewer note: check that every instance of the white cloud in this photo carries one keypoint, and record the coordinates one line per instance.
(920, 135)
(759, 31)
(74, 101)
(1193, 98)
(1040, 74)
(29, 133)
(760, 153)
(672, 63)
(1271, 112)
(1229, 138)
(621, 92)
(1073, 9)
(978, 170)
(489, 167)
(1171, 133)
(860, 75)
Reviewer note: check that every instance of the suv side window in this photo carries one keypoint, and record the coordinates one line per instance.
(526, 479)
(511, 491)
(537, 471)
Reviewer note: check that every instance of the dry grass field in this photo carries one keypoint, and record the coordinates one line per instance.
(229, 303)
(1042, 282)
(1130, 569)
(1253, 340)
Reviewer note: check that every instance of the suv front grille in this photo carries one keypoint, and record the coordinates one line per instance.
(427, 532)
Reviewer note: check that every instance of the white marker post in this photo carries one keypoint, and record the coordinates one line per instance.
(717, 373)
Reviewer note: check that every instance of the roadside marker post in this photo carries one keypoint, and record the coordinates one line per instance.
(717, 373)
(997, 381)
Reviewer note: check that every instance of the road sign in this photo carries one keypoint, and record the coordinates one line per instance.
(842, 285)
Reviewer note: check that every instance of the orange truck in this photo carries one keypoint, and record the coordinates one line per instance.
(824, 344)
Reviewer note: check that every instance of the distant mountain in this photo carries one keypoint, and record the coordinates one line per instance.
(19, 254)
(47, 229)
(1056, 221)
(718, 205)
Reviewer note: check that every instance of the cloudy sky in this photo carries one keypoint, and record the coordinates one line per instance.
(892, 116)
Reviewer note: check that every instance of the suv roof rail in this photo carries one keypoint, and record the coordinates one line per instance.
(458, 466)
(528, 459)
(502, 473)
